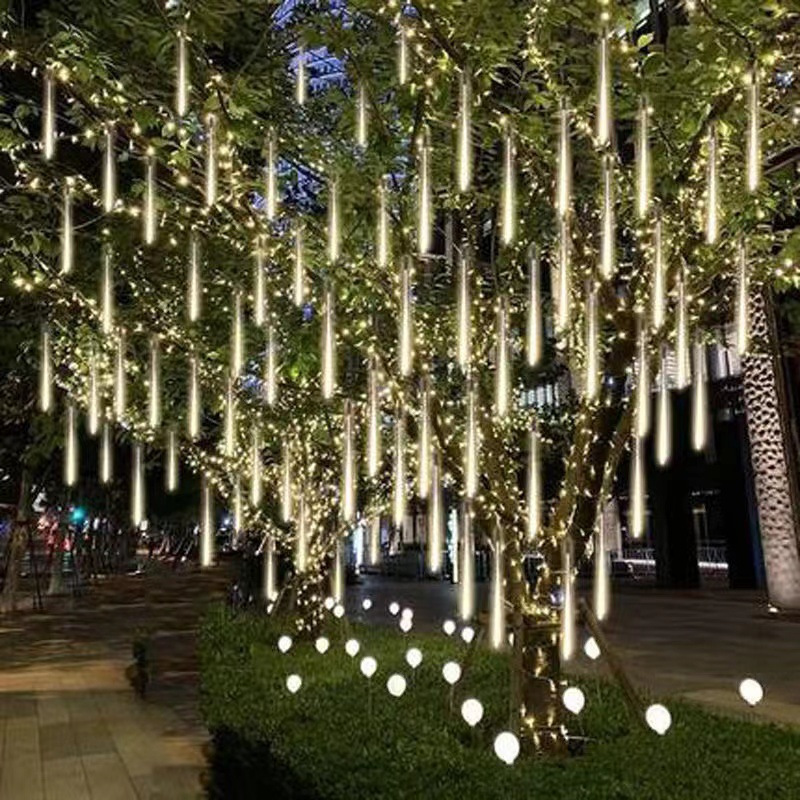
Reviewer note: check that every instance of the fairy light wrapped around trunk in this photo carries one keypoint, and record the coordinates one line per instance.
(497, 596)
(259, 289)
(154, 384)
(406, 319)
(211, 160)
(508, 203)
(107, 291)
(699, 397)
(592, 365)
(334, 244)
(464, 161)
(399, 493)
(109, 169)
(171, 471)
(374, 419)
(712, 186)
(604, 121)
(93, 420)
(237, 335)
(137, 485)
(194, 287)
(299, 293)
(271, 177)
(256, 470)
(149, 214)
(70, 445)
(435, 517)
(207, 527)
(182, 74)
(229, 446)
(362, 116)
(349, 474)
(286, 482)
(753, 130)
(328, 345)
(658, 297)
(46, 372)
(120, 378)
(637, 489)
(533, 329)
(608, 227)
(642, 408)
(425, 443)
(533, 495)
(568, 638)
(193, 410)
(106, 454)
(601, 589)
(424, 201)
(502, 377)
(271, 366)
(742, 318)
(663, 442)
(67, 231)
(643, 167)
(301, 82)
(464, 310)
(49, 132)
(382, 233)
(466, 586)
(471, 442)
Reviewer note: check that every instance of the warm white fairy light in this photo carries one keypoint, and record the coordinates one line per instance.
(93, 419)
(636, 520)
(742, 320)
(362, 115)
(182, 76)
(471, 442)
(712, 187)
(349, 474)
(435, 517)
(171, 477)
(271, 175)
(49, 132)
(270, 587)
(67, 232)
(533, 331)
(71, 445)
(753, 131)
(230, 419)
(328, 342)
(259, 289)
(207, 530)
(211, 160)
(256, 474)
(683, 371)
(120, 379)
(699, 397)
(109, 170)
(502, 376)
(374, 420)
(154, 384)
(383, 227)
(137, 485)
(508, 205)
(107, 292)
(658, 297)
(424, 208)
(602, 574)
(643, 178)
(592, 364)
(237, 335)
(568, 638)
(299, 267)
(533, 495)
(642, 408)
(149, 218)
(425, 445)
(334, 243)
(301, 543)
(406, 319)
(464, 164)
(608, 231)
(399, 493)
(663, 439)
(286, 482)
(301, 84)
(604, 124)
(106, 454)
(466, 586)
(464, 310)
(403, 55)
(46, 373)
(194, 289)
(564, 182)
(497, 597)
(193, 410)
(564, 275)
(271, 366)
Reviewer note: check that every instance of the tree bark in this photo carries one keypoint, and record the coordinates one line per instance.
(776, 488)
(17, 544)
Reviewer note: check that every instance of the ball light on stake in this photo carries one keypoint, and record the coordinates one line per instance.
(658, 718)
(591, 648)
(321, 645)
(751, 691)
(394, 608)
(468, 634)
(451, 672)
(573, 699)
(413, 657)
(338, 611)
(506, 747)
(351, 647)
(449, 627)
(396, 685)
(472, 711)
(285, 643)
(293, 683)
(406, 624)
(368, 666)
(366, 604)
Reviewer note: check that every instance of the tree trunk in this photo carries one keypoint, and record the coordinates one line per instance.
(17, 544)
(776, 489)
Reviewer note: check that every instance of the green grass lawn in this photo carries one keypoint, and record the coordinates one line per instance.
(323, 742)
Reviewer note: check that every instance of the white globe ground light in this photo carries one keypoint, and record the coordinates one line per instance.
(285, 644)
(368, 666)
(591, 648)
(573, 699)
(407, 612)
(322, 644)
(506, 747)
(351, 647)
(396, 685)
(472, 711)
(658, 718)
(293, 683)
(468, 634)
(394, 609)
(449, 627)
(413, 657)
(338, 611)
(451, 672)
(366, 604)
(751, 691)
(406, 624)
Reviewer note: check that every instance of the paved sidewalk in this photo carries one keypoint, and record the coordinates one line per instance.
(71, 727)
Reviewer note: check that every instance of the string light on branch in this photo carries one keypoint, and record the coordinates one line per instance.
(399, 494)
(49, 132)
(712, 186)
(663, 443)
(194, 287)
(211, 160)
(328, 344)
(67, 231)
(46, 372)
(643, 166)
(349, 474)
(149, 214)
(508, 205)
(424, 201)
(109, 170)
(406, 320)
(753, 131)
(464, 163)
(70, 445)
(742, 320)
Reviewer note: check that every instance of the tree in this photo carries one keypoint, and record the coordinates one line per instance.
(492, 197)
